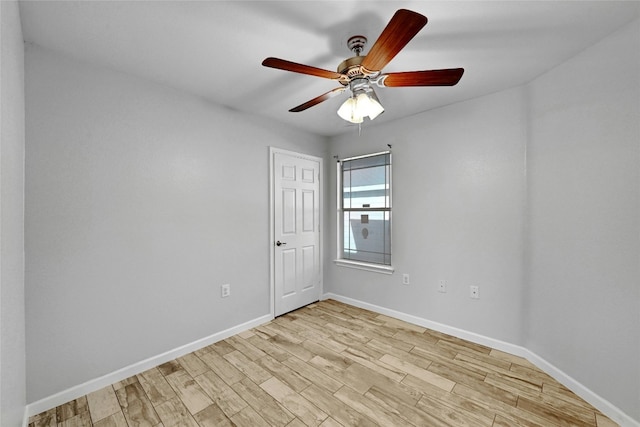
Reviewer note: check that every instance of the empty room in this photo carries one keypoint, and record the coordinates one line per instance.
(321, 213)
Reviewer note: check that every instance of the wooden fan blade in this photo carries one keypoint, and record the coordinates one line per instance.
(282, 64)
(317, 100)
(448, 77)
(404, 25)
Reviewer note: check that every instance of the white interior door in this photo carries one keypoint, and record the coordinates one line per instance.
(296, 230)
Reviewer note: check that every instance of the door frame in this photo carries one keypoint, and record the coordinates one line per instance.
(272, 282)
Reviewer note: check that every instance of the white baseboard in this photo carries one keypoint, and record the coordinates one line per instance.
(597, 401)
(579, 389)
(440, 327)
(139, 367)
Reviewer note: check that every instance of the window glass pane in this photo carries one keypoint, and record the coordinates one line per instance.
(367, 236)
(366, 188)
(369, 188)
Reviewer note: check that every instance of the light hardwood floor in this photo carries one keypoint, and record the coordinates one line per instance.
(332, 364)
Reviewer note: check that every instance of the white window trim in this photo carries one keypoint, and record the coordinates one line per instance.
(376, 268)
(361, 265)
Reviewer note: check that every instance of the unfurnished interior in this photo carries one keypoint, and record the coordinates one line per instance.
(128, 196)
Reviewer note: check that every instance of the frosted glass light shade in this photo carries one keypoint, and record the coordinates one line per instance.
(365, 104)
(348, 111)
(368, 106)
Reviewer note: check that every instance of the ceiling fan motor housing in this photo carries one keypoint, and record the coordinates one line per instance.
(351, 67)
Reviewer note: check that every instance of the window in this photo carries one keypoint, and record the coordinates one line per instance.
(364, 212)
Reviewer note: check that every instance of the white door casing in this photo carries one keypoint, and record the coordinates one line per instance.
(296, 216)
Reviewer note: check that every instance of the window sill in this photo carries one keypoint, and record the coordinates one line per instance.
(376, 268)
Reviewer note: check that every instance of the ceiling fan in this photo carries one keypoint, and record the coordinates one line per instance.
(360, 73)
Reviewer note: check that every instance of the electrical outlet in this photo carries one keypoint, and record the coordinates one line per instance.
(474, 292)
(225, 290)
(405, 279)
(442, 286)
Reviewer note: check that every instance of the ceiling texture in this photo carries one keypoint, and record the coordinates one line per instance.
(214, 49)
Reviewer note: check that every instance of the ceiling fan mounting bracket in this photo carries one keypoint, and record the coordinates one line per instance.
(356, 44)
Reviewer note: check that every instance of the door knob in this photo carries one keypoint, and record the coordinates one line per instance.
(279, 243)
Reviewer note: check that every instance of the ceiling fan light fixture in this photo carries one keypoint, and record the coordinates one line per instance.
(363, 103)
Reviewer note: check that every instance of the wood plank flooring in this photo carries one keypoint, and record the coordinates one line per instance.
(331, 364)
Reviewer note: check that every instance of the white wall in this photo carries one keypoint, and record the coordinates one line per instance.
(140, 201)
(584, 218)
(458, 214)
(12, 314)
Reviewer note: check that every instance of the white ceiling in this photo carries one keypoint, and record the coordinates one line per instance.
(214, 49)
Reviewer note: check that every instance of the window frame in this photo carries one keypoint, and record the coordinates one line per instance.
(361, 265)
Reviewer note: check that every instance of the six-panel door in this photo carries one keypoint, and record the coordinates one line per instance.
(296, 232)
